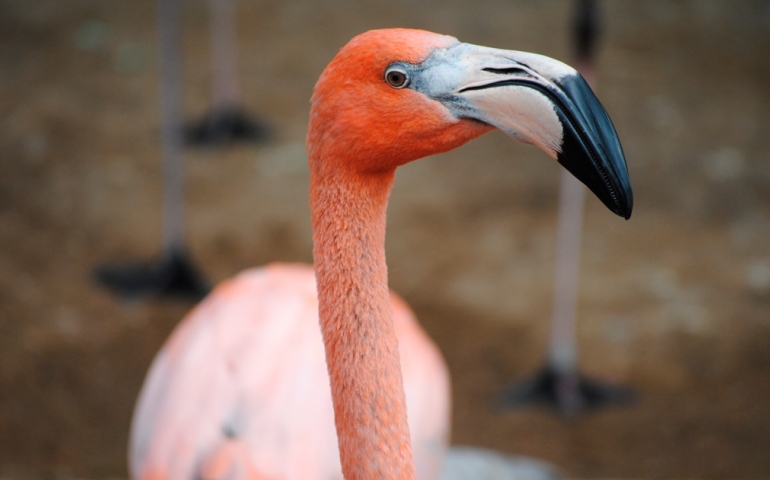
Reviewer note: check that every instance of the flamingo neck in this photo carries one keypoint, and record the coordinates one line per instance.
(348, 214)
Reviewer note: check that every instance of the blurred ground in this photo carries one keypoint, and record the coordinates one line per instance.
(675, 302)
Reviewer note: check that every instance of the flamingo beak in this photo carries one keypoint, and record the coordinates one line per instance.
(537, 100)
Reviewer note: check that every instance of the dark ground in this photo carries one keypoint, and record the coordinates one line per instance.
(675, 302)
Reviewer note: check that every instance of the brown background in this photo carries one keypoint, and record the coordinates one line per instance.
(674, 302)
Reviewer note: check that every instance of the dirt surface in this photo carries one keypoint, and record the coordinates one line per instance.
(674, 302)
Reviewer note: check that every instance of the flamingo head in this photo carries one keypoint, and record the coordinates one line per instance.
(393, 96)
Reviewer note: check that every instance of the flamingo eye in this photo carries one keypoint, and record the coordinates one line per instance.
(396, 78)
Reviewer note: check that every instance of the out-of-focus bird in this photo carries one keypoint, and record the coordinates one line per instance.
(387, 98)
(241, 388)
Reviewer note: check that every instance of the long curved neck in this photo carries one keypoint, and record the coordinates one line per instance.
(348, 214)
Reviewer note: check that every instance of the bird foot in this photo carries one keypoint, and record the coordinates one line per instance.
(171, 275)
(226, 125)
(571, 394)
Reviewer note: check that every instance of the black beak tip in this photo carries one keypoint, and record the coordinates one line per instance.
(621, 205)
(612, 189)
(590, 148)
(624, 205)
(626, 212)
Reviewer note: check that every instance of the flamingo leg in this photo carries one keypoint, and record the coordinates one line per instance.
(560, 384)
(172, 273)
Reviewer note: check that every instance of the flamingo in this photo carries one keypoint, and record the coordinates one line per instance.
(387, 98)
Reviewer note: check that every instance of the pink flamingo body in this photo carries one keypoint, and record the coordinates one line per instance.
(389, 97)
(241, 390)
